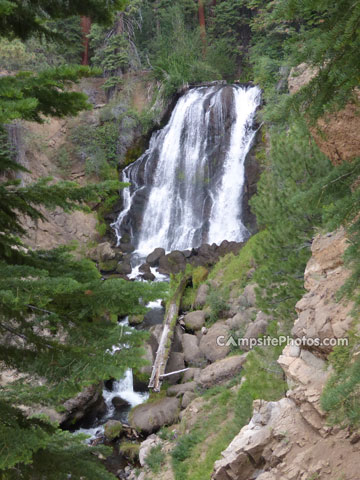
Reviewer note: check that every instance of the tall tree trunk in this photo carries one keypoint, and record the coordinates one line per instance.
(202, 24)
(85, 28)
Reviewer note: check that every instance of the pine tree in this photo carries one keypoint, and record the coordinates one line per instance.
(58, 316)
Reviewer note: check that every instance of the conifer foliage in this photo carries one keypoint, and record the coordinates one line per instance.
(58, 319)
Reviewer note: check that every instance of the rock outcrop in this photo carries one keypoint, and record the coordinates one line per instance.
(337, 134)
(290, 439)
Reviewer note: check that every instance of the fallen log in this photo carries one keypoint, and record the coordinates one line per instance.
(163, 351)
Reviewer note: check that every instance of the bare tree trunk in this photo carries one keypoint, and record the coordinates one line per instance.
(85, 28)
(164, 348)
(202, 24)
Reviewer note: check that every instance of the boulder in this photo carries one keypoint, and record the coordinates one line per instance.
(124, 268)
(145, 268)
(195, 320)
(221, 371)
(239, 321)
(112, 429)
(104, 252)
(256, 329)
(149, 357)
(187, 398)
(150, 417)
(250, 295)
(136, 319)
(127, 247)
(176, 362)
(173, 262)
(209, 345)
(88, 402)
(180, 389)
(119, 403)
(108, 266)
(201, 295)
(154, 257)
(191, 374)
(192, 353)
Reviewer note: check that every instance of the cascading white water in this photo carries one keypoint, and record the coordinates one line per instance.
(187, 188)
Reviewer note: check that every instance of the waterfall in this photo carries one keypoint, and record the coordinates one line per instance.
(186, 189)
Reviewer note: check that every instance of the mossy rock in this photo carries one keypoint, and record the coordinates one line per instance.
(136, 319)
(108, 266)
(113, 429)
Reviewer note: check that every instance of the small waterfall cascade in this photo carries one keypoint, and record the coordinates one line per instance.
(187, 188)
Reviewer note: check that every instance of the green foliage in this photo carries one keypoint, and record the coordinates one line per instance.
(18, 20)
(231, 270)
(216, 300)
(130, 450)
(178, 58)
(288, 206)
(37, 54)
(58, 316)
(155, 459)
(98, 144)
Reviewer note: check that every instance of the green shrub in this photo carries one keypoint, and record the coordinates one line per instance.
(155, 459)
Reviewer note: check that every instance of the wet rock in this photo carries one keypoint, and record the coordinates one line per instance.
(136, 319)
(173, 262)
(149, 417)
(154, 257)
(127, 247)
(194, 320)
(112, 429)
(124, 268)
(120, 403)
(221, 371)
(145, 268)
(201, 295)
(192, 353)
(149, 277)
(209, 343)
(89, 402)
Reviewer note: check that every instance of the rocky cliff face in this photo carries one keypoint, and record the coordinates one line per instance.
(338, 134)
(290, 439)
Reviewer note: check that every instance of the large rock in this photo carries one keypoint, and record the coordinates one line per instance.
(319, 315)
(180, 389)
(150, 417)
(240, 321)
(88, 402)
(255, 330)
(221, 371)
(176, 362)
(192, 353)
(195, 320)
(154, 257)
(209, 345)
(112, 429)
(173, 262)
(103, 252)
(201, 295)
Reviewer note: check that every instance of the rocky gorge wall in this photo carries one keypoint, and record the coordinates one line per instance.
(290, 439)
